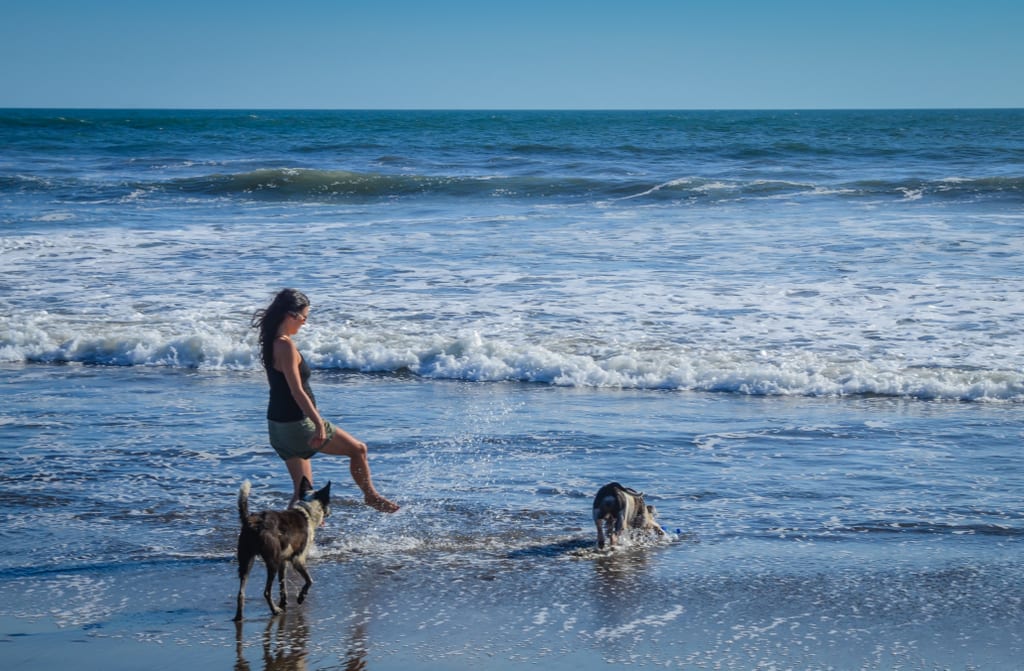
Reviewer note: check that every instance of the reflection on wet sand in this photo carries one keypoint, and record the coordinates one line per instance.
(285, 645)
(619, 580)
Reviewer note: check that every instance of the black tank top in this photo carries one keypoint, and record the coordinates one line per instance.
(282, 406)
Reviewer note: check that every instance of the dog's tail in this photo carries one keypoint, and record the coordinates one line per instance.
(243, 501)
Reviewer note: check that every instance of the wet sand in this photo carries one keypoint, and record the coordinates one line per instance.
(558, 605)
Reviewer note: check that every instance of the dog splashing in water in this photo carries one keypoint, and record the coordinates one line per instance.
(618, 509)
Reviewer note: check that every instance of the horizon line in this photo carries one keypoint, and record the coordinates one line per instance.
(509, 109)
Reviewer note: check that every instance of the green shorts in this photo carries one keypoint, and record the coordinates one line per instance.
(291, 439)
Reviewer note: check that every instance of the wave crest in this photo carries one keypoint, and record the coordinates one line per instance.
(300, 184)
(477, 358)
(292, 183)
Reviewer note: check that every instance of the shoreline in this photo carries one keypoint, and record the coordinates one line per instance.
(392, 613)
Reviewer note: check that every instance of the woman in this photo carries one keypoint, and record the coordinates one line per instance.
(297, 431)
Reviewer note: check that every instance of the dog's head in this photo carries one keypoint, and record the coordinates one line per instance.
(319, 498)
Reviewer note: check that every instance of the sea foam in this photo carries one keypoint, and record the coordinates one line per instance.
(479, 358)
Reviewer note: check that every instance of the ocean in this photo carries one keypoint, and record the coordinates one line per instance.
(798, 332)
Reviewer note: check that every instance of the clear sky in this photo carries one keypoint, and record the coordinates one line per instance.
(512, 54)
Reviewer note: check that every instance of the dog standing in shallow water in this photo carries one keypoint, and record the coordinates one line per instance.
(618, 509)
(280, 538)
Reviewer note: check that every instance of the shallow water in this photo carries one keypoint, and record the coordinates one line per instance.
(803, 533)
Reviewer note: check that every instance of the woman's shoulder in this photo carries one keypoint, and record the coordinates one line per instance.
(284, 347)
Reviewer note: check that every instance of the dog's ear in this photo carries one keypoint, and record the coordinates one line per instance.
(324, 494)
(305, 487)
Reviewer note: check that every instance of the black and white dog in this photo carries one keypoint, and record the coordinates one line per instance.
(618, 509)
(280, 538)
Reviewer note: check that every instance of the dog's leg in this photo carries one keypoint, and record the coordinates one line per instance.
(244, 566)
(300, 566)
(620, 524)
(283, 603)
(271, 572)
(600, 533)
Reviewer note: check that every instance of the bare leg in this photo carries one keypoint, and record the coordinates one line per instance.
(359, 465)
(298, 468)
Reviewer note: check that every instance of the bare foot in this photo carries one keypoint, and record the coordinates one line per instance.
(380, 503)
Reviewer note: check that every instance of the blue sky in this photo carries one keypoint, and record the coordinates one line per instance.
(512, 54)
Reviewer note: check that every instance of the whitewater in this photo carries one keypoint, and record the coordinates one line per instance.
(754, 253)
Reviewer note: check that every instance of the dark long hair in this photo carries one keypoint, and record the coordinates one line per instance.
(269, 320)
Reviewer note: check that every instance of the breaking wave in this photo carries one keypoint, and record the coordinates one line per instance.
(476, 358)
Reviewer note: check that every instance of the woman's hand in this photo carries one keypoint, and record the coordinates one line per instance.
(320, 437)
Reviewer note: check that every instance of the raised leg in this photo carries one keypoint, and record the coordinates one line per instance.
(359, 466)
